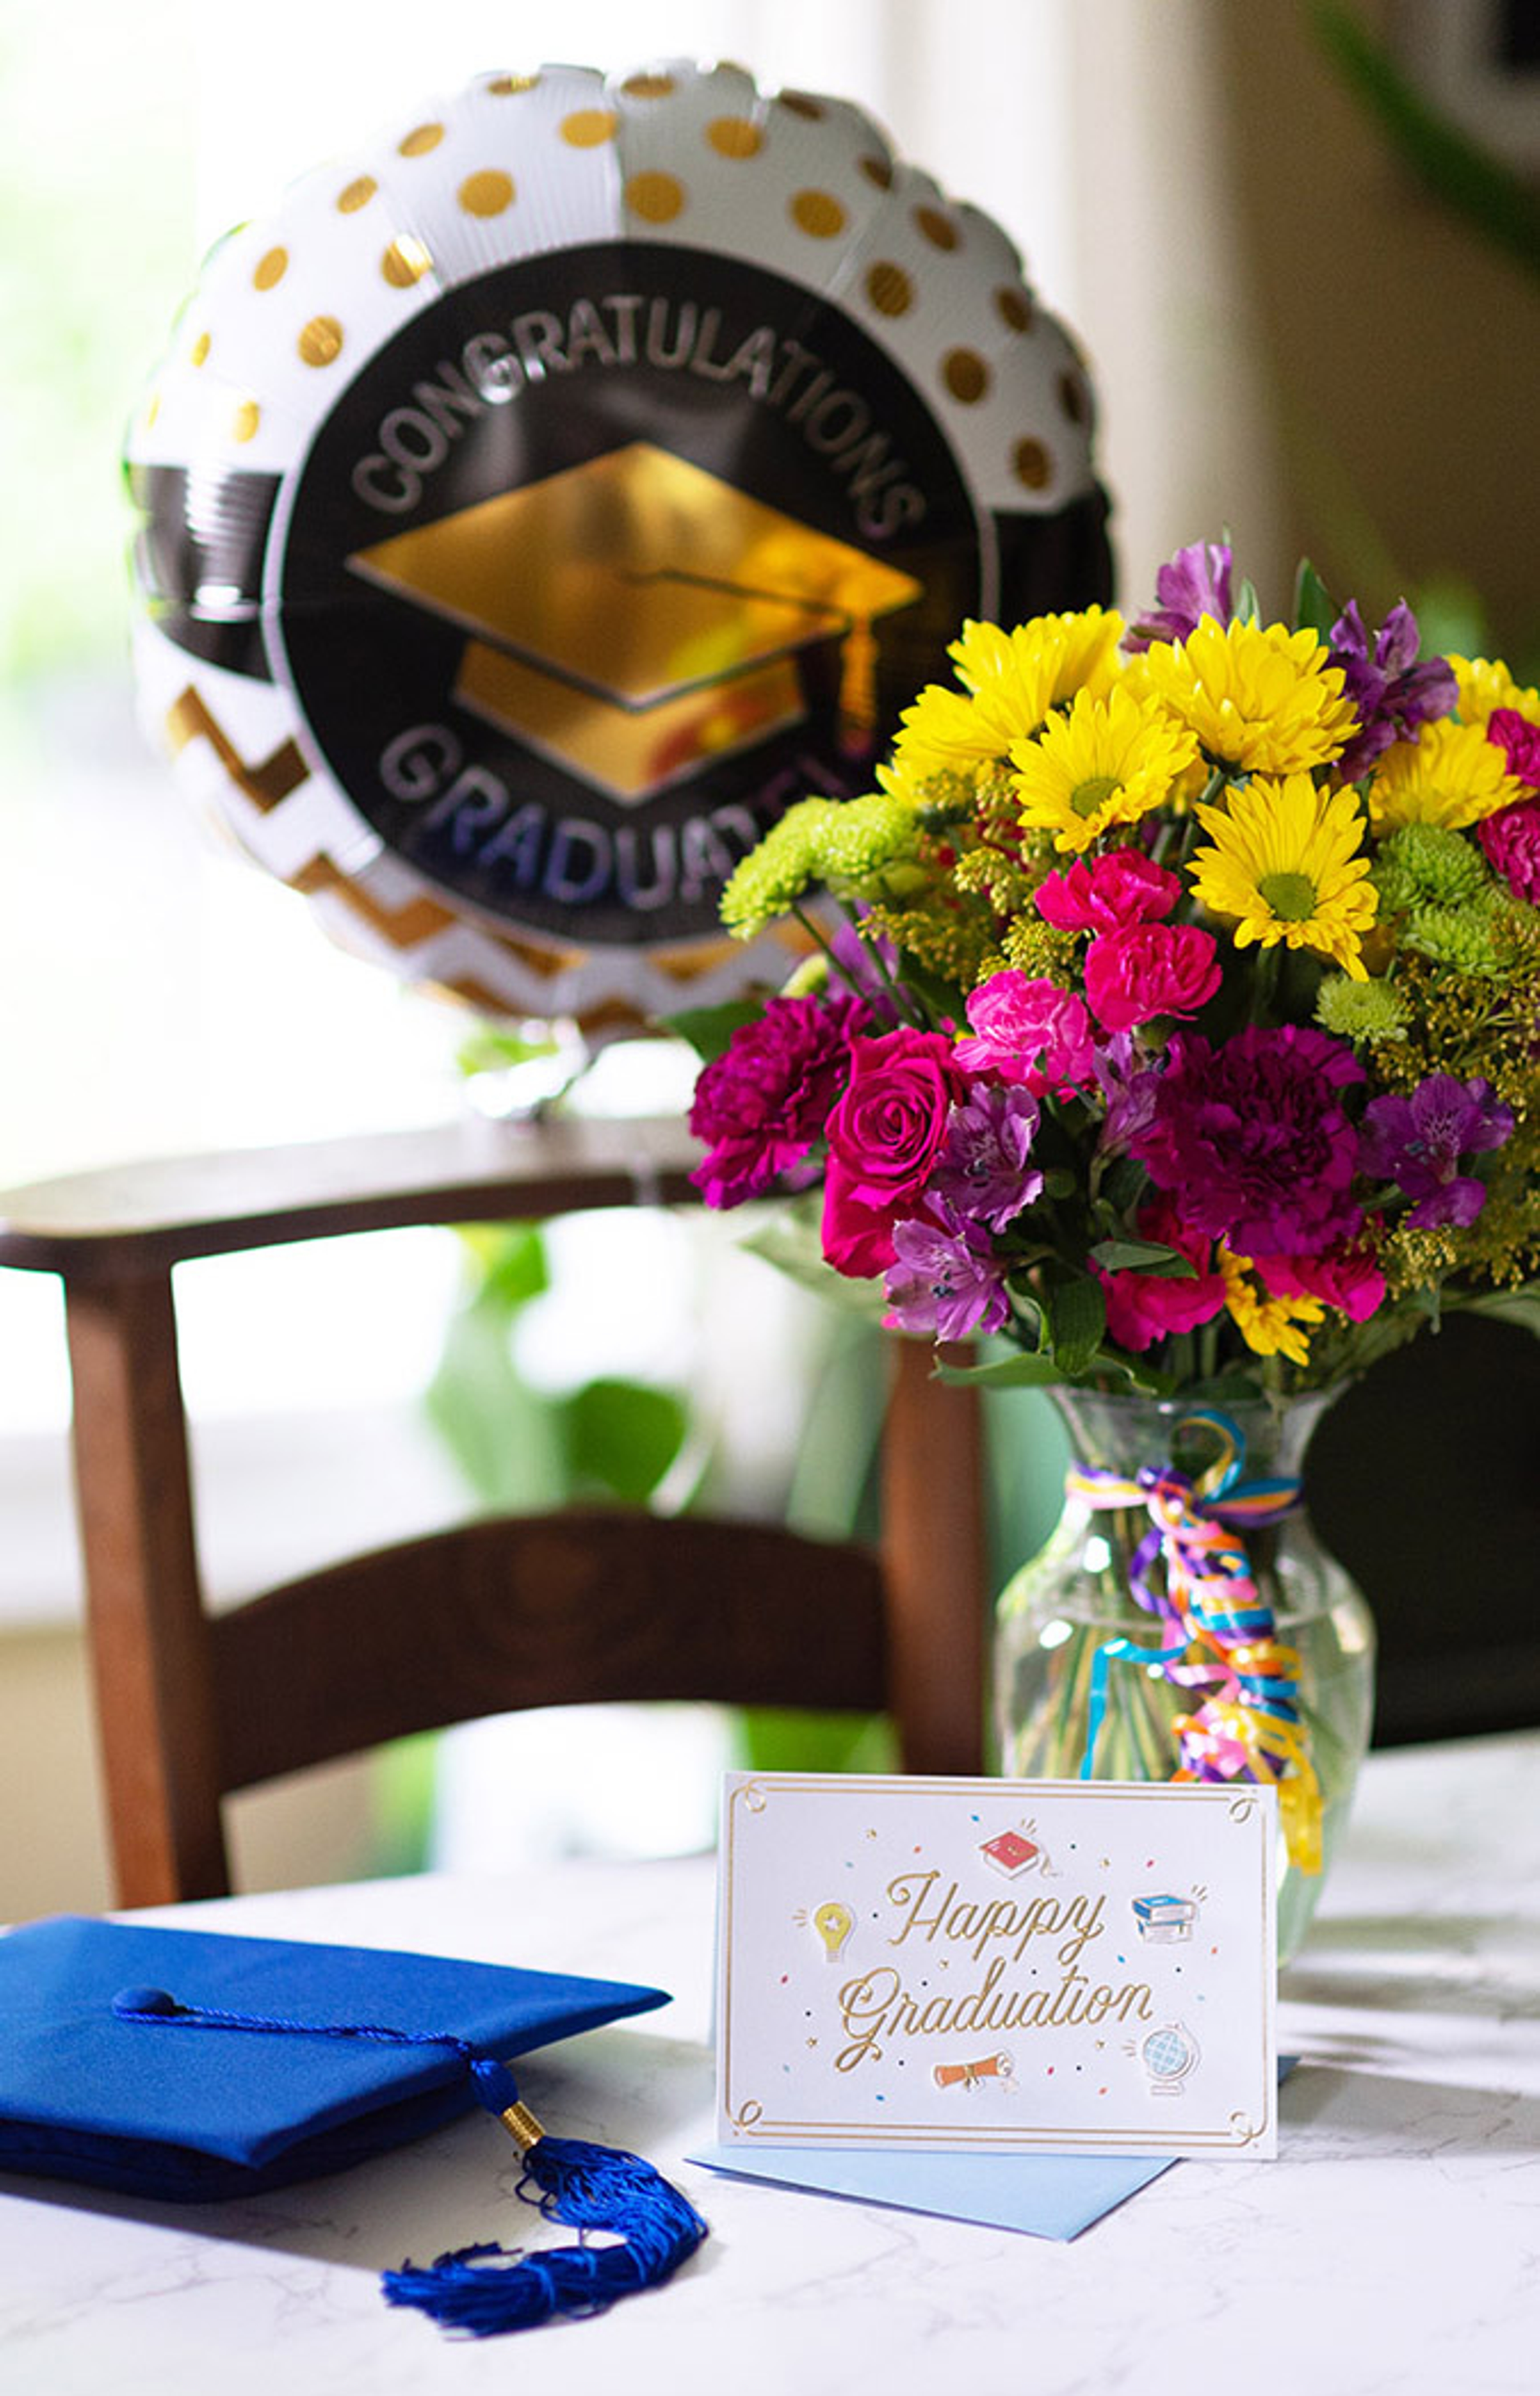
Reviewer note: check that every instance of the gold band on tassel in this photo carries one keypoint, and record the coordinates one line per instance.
(522, 2126)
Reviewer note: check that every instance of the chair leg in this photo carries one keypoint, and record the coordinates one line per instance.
(147, 1632)
(935, 1559)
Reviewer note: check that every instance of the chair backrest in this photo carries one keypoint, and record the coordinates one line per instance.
(487, 1616)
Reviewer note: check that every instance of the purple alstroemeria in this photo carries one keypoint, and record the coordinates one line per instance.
(985, 1174)
(1418, 1142)
(1392, 692)
(946, 1281)
(1193, 584)
(1129, 1085)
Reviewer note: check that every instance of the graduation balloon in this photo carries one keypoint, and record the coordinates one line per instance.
(545, 497)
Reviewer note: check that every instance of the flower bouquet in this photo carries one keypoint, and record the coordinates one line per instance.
(1170, 1026)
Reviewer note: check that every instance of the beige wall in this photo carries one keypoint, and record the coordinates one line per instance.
(1400, 356)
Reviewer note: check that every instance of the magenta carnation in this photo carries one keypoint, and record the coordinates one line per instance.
(1121, 887)
(1151, 969)
(763, 1103)
(884, 1135)
(1510, 843)
(1143, 1308)
(1029, 1032)
(1253, 1142)
(1520, 741)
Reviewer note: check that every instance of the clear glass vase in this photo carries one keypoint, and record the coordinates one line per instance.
(1077, 1693)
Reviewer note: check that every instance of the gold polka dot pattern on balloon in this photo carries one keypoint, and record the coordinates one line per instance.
(1014, 308)
(271, 268)
(938, 230)
(877, 170)
(966, 375)
(356, 194)
(648, 86)
(802, 104)
(889, 288)
(487, 192)
(818, 213)
(421, 139)
(320, 341)
(199, 350)
(503, 86)
(405, 263)
(1074, 399)
(243, 423)
(735, 136)
(1031, 465)
(587, 129)
(658, 199)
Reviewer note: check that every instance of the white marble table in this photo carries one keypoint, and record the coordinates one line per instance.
(1394, 2246)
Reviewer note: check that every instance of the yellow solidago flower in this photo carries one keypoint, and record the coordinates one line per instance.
(1485, 684)
(1259, 696)
(1108, 761)
(1270, 1326)
(1287, 864)
(1011, 681)
(1451, 775)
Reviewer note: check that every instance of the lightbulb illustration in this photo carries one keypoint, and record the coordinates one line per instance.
(833, 1923)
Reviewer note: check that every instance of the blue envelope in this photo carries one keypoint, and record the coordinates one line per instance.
(314, 2058)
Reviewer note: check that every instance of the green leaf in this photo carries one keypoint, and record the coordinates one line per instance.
(508, 1264)
(1005, 1373)
(1076, 1322)
(789, 1241)
(1520, 1306)
(1314, 608)
(491, 1051)
(621, 1436)
(1248, 607)
(708, 1030)
(1145, 1256)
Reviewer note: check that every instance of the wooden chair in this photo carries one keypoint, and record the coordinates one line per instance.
(489, 1615)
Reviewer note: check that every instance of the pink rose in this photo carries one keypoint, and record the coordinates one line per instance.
(1029, 1032)
(1142, 1307)
(1151, 969)
(1123, 887)
(884, 1137)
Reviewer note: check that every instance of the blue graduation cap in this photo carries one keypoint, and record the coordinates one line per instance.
(195, 2066)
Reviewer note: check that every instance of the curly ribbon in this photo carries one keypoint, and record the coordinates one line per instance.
(1222, 1637)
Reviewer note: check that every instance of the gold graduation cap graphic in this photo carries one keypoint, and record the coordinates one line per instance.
(635, 617)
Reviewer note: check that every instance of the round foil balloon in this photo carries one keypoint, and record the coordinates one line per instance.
(544, 498)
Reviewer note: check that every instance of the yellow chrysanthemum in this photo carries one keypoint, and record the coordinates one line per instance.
(1451, 775)
(1485, 684)
(1257, 696)
(1010, 682)
(1287, 864)
(1109, 761)
(1270, 1326)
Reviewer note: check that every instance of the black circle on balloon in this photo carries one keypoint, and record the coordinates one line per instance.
(515, 743)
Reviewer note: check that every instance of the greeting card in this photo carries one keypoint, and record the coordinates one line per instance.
(1074, 1967)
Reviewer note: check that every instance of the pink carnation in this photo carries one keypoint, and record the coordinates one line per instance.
(1510, 843)
(884, 1136)
(1029, 1032)
(1347, 1278)
(1143, 1308)
(1151, 969)
(1520, 741)
(1121, 887)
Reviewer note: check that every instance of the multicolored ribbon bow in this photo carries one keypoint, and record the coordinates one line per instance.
(1223, 1636)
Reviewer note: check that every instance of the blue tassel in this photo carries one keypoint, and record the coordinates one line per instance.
(483, 2290)
(587, 2187)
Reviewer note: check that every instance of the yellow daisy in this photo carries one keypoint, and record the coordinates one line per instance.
(1287, 864)
(1010, 680)
(1451, 775)
(1259, 696)
(1270, 1326)
(1485, 684)
(1108, 761)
